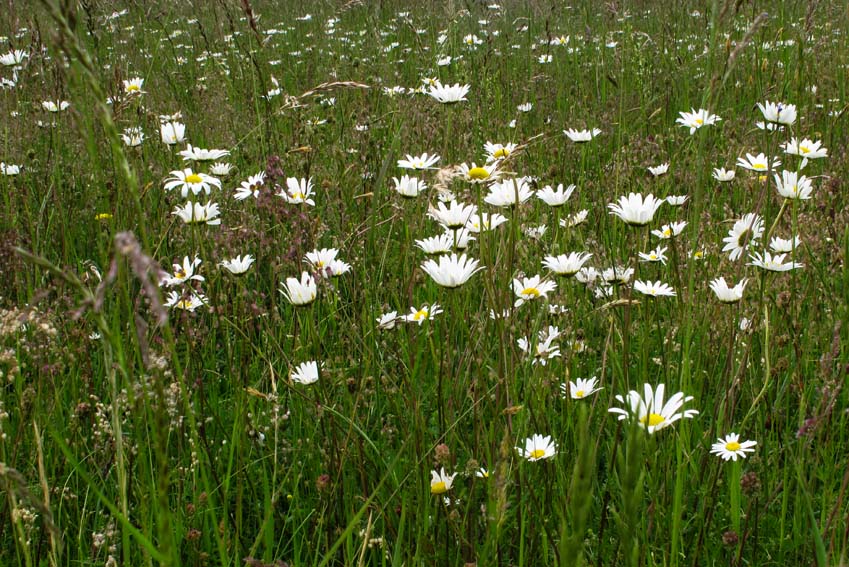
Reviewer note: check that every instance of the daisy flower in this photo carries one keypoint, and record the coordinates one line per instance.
(188, 302)
(528, 289)
(423, 161)
(298, 191)
(650, 411)
(409, 186)
(172, 133)
(508, 193)
(724, 175)
(133, 86)
(659, 170)
(199, 154)
(525, 107)
(581, 136)
(440, 483)
(575, 219)
(57, 106)
(187, 180)
(757, 163)
(306, 373)
(250, 188)
(478, 173)
(387, 320)
(132, 137)
(484, 222)
(635, 209)
(727, 294)
(300, 292)
(455, 215)
(183, 273)
(220, 169)
(581, 388)
(566, 264)
(805, 148)
(617, 274)
(10, 169)
(496, 152)
(13, 58)
(656, 255)
(784, 244)
(671, 230)
(538, 447)
(778, 113)
(425, 313)
(654, 289)
(555, 198)
(195, 213)
(441, 244)
(730, 448)
(676, 200)
(695, 119)
(238, 265)
(773, 263)
(448, 94)
(745, 232)
(320, 260)
(791, 186)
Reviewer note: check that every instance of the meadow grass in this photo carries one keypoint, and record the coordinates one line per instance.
(147, 418)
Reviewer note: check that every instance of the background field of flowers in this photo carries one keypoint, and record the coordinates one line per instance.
(436, 284)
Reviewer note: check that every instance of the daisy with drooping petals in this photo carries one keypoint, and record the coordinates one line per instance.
(183, 273)
(730, 448)
(727, 294)
(409, 186)
(785, 245)
(238, 265)
(441, 244)
(654, 289)
(581, 136)
(581, 388)
(676, 200)
(508, 193)
(298, 191)
(199, 154)
(792, 186)
(187, 180)
(306, 373)
(566, 264)
(528, 289)
(387, 320)
(659, 170)
(132, 137)
(555, 198)
(188, 302)
(426, 313)
(635, 209)
(13, 58)
(538, 447)
(195, 213)
(484, 222)
(451, 271)
(695, 119)
(320, 260)
(440, 483)
(448, 94)
(423, 161)
(671, 230)
(772, 263)
(745, 232)
(455, 215)
(220, 169)
(778, 113)
(300, 292)
(172, 132)
(575, 219)
(650, 411)
(724, 175)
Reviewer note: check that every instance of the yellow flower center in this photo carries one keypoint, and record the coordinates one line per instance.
(180, 274)
(298, 195)
(478, 173)
(133, 88)
(579, 394)
(759, 166)
(537, 453)
(804, 149)
(183, 304)
(733, 446)
(531, 291)
(102, 216)
(762, 178)
(698, 254)
(501, 153)
(194, 178)
(438, 488)
(653, 257)
(420, 314)
(652, 420)
(667, 232)
(699, 121)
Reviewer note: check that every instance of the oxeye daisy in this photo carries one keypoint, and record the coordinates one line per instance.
(791, 185)
(785, 245)
(730, 447)
(306, 373)
(778, 113)
(758, 163)
(186, 302)
(745, 232)
(195, 213)
(727, 294)
(581, 136)
(441, 244)
(528, 289)
(187, 180)
(575, 219)
(650, 410)
(676, 200)
(13, 58)
(617, 274)
(805, 148)
(496, 152)
(320, 260)
(654, 289)
(183, 273)
(448, 94)
(580, 388)
(440, 482)
(695, 119)
(132, 137)
(659, 170)
(388, 320)
(198, 154)
(479, 173)
(300, 292)
(426, 312)
(221, 169)
(484, 222)
(724, 175)
(538, 447)
(172, 132)
(656, 255)
(566, 264)
(555, 198)
(55, 106)
(298, 191)
(423, 161)
(409, 186)
(133, 86)
(250, 188)
(508, 193)
(635, 209)
(238, 265)
(671, 230)
(455, 215)
(772, 263)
